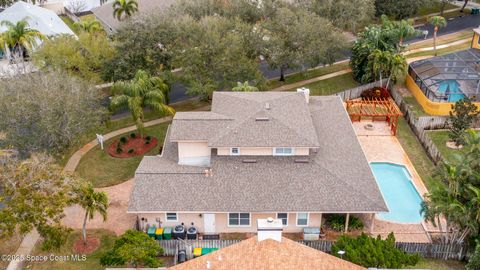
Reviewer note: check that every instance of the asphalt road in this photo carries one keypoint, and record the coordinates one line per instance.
(178, 92)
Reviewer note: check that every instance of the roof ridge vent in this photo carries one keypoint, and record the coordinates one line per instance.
(262, 118)
(301, 160)
(249, 161)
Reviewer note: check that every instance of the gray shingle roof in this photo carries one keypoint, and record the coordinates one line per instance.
(104, 13)
(238, 119)
(336, 178)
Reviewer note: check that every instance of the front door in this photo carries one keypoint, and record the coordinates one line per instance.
(209, 223)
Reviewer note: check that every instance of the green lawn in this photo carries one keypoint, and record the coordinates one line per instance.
(107, 240)
(332, 85)
(127, 121)
(440, 138)
(434, 264)
(433, 8)
(68, 22)
(415, 106)
(423, 165)
(447, 50)
(98, 167)
(301, 76)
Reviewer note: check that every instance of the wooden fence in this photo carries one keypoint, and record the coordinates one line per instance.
(357, 91)
(421, 125)
(426, 250)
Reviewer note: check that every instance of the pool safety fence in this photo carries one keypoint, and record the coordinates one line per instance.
(426, 250)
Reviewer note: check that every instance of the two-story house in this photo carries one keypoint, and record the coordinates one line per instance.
(256, 155)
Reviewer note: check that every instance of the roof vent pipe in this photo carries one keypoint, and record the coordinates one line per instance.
(306, 92)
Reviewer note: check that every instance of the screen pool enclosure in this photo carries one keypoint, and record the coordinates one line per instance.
(450, 77)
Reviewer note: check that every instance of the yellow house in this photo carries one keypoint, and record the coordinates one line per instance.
(476, 38)
(438, 82)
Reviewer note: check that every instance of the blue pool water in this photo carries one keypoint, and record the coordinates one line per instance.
(401, 196)
(452, 89)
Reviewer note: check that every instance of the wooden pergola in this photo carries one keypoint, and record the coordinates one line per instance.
(383, 109)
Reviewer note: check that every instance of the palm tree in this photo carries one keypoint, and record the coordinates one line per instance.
(89, 26)
(124, 8)
(19, 36)
(244, 87)
(92, 202)
(387, 63)
(437, 22)
(142, 91)
(404, 29)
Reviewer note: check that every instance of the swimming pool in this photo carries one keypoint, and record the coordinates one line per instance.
(400, 194)
(451, 88)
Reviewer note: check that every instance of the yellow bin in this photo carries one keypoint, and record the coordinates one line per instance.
(159, 234)
(197, 252)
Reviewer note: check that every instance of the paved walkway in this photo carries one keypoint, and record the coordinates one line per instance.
(442, 46)
(75, 158)
(379, 145)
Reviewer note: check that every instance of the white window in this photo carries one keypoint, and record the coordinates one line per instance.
(239, 219)
(283, 151)
(234, 151)
(283, 217)
(302, 219)
(171, 217)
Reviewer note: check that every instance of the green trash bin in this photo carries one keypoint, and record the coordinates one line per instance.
(167, 233)
(159, 234)
(151, 231)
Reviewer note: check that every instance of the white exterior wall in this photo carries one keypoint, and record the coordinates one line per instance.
(221, 221)
(194, 153)
(261, 151)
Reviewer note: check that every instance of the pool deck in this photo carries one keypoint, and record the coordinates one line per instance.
(380, 146)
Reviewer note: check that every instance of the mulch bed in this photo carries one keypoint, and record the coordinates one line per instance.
(92, 244)
(138, 144)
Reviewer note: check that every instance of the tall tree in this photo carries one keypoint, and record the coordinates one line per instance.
(142, 91)
(34, 193)
(124, 8)
(92, 202)
(215, 52)
(342, 13)
(437, 22)
(84, 56)
(48, 111)
(19, 36)
(456, 197)
(465, 3)
(388, 39)
(146, 43)
(292, 39)
(89, 26)
(461, 117)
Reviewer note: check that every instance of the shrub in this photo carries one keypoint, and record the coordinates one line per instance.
(133, 247)
(463, 113)
(148, 138)
(119, 150)
(123, 139)
(130, 151)
(133, 135)
(337, 222)
(373, 252)
(376, 92)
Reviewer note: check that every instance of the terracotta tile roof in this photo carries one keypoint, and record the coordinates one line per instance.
(268, 255)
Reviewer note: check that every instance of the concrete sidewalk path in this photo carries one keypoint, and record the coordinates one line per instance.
(287, 87)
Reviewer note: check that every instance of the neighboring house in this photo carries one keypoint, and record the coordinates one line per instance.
(255, 155)
(438, 82)
(45, 21)
(104, 13)
(268, 250)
